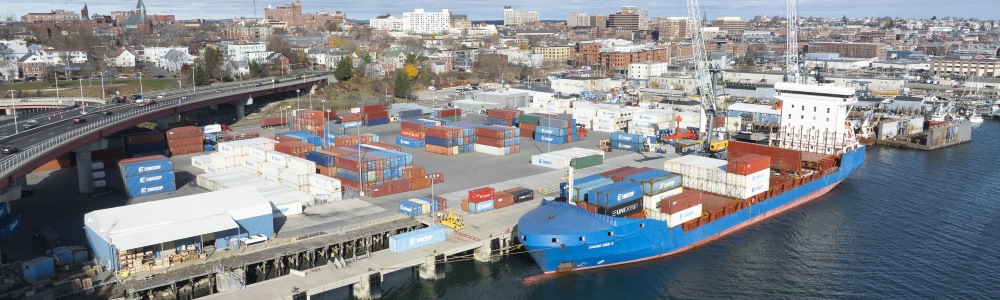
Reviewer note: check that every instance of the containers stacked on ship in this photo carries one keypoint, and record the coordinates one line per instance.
(503, 117)
(656, 186)
(651, 122)
(555, 130)
(143, 144)
(449, 140)
(311, 120)
(375, 115)
(451, 114)
(620, 199)
(611, 119)
(147, 175)
(627, 141)
(750, 174)
(480, 200)
(413, 132)
(577, 157)
(273, 121)
(185, 140)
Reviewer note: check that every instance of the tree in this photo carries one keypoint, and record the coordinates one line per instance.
(213, 62)
(201, 75)
(345, 68)
(524, 73)
(411, 71)
(934, 18)
(401, 87)
(255, 69)
(654, 85)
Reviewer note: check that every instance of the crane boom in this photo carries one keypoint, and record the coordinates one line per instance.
(703, 80)
(792, 45)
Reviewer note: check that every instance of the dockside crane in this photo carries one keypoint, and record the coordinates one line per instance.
(702, 74)
(792, 70)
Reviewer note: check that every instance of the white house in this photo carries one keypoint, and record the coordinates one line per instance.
(642, 71)
(386, 22)
(238, 68)
(122, 58)
(174, 60)
(246, 52)
(155, 54)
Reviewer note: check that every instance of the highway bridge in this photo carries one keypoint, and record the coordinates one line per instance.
(56, 134)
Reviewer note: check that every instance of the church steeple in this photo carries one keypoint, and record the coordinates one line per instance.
(140, 8)
(84, 13)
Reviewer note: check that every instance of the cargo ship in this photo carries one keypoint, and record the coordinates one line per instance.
(633, 214)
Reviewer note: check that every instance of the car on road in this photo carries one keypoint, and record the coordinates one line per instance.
(108, 112)
(218, 91)
(79, 120)
(136, 97)
(9, 149)
(184, 98)
(144, 102)
(161, 76)
(259, 84)
(161, 95)
(29, 124)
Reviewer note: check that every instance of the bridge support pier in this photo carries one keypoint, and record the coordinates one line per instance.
(13, 191)
(433, 267)
(241, 111)
(164, 122)
(369, 287)
(84, 168)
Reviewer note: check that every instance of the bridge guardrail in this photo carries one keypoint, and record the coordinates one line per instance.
(15, 161)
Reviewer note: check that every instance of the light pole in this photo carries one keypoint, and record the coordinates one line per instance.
(56, 75)
(140, 86)
(361, 183)
(13, 105)
(311, 89)
(104, 95)
(194, 85)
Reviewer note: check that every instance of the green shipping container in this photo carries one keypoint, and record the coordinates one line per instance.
(533, 119)
(587, 161)
(453, 118)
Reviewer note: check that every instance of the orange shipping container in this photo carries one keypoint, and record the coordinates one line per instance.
(294, 148)
(184, 132)
(502, 199)
(748, 164)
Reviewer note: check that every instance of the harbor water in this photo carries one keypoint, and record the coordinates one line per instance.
(908, 224)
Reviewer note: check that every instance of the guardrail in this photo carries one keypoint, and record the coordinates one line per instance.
(10, 163)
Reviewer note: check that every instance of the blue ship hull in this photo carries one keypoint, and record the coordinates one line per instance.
(564, 237)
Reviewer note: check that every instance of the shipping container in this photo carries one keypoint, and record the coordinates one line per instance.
(10, 224)
(481, 194)
(145, 165)
(38, 269)
(415, 239)
(684, 215)
(581, 192)
(149, 179)
(615, 194)
(624, 208)
(684, 200)
(522, 194)
(426, 206)
(481, 207)
(587, 161)
(151, 189)
(748, 164)
(656, 181)
(503, 199)
(410, 208)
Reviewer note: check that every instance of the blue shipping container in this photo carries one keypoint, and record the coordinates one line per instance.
(320, 158)
(39, 269)
(376, 122)
(147, 167)
(578, 182)
(148, 189)
(10, 225)
(4, 209)
(481, 207)
(211, 137)
(410, 208)
(62, 255)
(581, 192)
(614, 194)
(440, 142)
(551, 131)
(626, 137)
(550, 139)
(149, 179)
(415, 239)
(620, 145)
(209, 148)
(409, 142)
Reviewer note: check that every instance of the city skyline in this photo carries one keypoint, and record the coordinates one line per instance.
(492, 10)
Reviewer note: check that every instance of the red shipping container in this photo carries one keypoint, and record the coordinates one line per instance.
(618, 170)
(350, 117)
(481, 194)
(441, 202)
(490, 132)
(587, 206)
(781, 159)
(437, 178)
(412, 133)
(528, 126)
(489, 141)
(294, 148)
(749, 164)
(411, 125)
(515, 149)
(377, 115)
(193, 141)
(184, 132)
(621, 176)
(505, 114)
(684, 200)
(273, 121)
(336, 151)
(136, 159)
(309, 114)
(372, 108)
(186, 150)
(420, 183)
(444, 132)
(326, 171)
(439, 150)
(465, 204)
(449, 112)
(527, 133)
(503, 199)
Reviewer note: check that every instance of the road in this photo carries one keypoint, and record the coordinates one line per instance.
(51, 133)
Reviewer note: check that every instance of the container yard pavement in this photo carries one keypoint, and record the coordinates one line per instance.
(480, 226)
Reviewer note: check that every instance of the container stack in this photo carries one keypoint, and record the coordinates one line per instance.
(145, 144)
(375, 115)
(529, 122)
(612, 119)
(185, 140)
(656, 186)
(451, 114)
(228, 156)
(147, 175)
(620, 199)
(503, 117)
(309, 120)
(377, 172)
(554, 130)
(497, 140)
(421, 206)
(480, 200)
(578, 157)
(294, 148)
(627, 141)
(354, 140)
(744, 177)
(584, 113)
(9, 222)
(651, 122)
(413, 132)
(273, 122)
(304, 136)
(449, 140)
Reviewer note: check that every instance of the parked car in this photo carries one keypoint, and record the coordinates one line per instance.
(9, 149)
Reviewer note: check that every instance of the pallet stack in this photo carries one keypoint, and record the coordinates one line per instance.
(185, 140)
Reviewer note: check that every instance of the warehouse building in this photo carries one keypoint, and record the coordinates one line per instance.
(153, 235)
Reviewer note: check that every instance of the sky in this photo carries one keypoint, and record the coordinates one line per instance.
(548, 10)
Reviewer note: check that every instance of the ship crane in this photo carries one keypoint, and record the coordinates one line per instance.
(702, 77)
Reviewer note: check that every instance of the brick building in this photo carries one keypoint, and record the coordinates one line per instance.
(968, 67)
(616, 55)
(855, 50)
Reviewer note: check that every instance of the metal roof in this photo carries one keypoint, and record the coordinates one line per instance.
(149, 223)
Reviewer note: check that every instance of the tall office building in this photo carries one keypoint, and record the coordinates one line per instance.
(515, 17)
(577, 18)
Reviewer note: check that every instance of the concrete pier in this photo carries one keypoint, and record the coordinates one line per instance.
(369, 286)
(433, 267)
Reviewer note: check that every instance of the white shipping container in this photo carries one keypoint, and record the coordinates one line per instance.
(425, 207)
(278, 158)
(746, 180)
(294, 177)
(583, 118)
(605, 121)
(584, 111)
(324, 182)
(605, 128)
(322, 196)
(257, 153)
(550, 161)
(489, 149)
(680, 217)
(200, 161)
(215, 167)
(286, 209)
(270, 169)
(301, 164)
